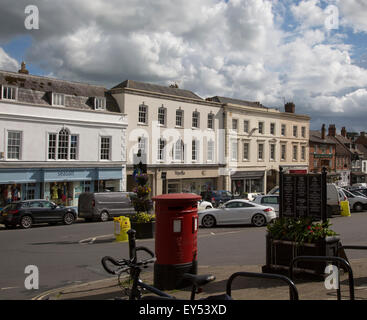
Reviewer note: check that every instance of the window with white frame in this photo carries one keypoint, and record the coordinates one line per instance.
(245, 126)
(234, 151)
(272, 128)
(143, 114)
(261, 151)
(295, 153)
(283, 153)
(261, 127)
(234, 124)
(295, 131)
(179, 118)
(63, 145)
(58, 99)
(162, 116)
(210, 150)
(210, 121)
(179, 150)
(161, 149)
(246, 151)
(195, 119)
(142, 145)
(99, 103)
(303, 132)
(14, 145)
(283, 130)
(272, 151)
(303, 153)
(9, 93)
(105, 151)
(195, 150)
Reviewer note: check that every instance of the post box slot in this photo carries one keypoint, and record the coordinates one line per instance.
(175, 208)
(194, 224)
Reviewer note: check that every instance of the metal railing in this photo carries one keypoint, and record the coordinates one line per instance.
(337, 260)
(293, 292)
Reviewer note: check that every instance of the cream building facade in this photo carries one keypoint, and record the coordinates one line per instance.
(178, 133)
(258, 141)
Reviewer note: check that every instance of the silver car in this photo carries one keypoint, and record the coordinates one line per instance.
(356, 202)
(237, 212)
(271, 200)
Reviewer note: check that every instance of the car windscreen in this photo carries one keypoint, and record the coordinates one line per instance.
(10, 207)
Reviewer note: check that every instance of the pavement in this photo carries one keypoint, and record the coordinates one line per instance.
(242, 288)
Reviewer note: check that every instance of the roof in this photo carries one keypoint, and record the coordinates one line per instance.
(315, 136)
(36, 90)
(246, 103)
(173, 91)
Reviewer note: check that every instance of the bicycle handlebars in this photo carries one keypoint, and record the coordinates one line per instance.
(127, 263)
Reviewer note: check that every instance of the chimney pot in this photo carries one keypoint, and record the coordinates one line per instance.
(290, 107)
(323, 132)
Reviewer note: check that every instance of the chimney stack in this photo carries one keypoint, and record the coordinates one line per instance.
(323, 132)
(332, 130)
(23, 69)
(343, 132)
(290, 107)
(363, 133)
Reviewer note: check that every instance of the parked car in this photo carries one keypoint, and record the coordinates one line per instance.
(204, 205)
(237, 212)
(271, 200)
(356, 202)
(217, 197)
(29, 212)
(102, 206)
(359, 189)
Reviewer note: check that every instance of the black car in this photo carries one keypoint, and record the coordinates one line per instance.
(28, 212)
(217, 197)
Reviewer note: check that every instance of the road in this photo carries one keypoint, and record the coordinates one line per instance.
(71, 254)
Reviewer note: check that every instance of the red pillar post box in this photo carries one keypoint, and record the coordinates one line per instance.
(175, 239)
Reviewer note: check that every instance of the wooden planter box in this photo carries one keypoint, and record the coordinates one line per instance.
(144, 230)
(280, 253)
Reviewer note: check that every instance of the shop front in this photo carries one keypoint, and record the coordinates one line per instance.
(243, 182)
(61, 185)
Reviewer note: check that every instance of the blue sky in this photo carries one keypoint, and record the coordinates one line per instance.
(258, 50)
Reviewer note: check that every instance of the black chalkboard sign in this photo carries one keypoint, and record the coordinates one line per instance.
(302, 195)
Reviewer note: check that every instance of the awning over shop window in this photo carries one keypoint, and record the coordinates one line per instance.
(247, 175)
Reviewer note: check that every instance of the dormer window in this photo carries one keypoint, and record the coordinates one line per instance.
(58, 99)
(99, 103)
(9, 93)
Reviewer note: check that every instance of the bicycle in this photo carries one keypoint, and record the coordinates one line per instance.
(134, 268)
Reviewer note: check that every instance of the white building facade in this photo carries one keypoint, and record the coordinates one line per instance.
(58, 139)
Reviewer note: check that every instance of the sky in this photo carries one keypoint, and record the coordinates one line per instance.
(310, 52)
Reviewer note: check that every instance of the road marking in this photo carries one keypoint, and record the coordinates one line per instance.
(9, 288)
(92, 239)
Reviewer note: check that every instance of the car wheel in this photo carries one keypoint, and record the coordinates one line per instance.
(26, 222)
(104, 216)
(68, 218)
(208, 221)
(258, 220)
(358, 207)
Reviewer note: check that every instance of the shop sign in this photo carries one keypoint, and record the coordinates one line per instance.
(65, 173)
(180, 173)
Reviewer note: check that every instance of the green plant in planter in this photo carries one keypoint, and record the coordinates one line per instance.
(142, 217)
(301, 230)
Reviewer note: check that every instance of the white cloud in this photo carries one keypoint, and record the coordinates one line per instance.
(7, 62)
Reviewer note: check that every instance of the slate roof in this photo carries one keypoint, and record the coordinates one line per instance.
(154, 88)
(315, 136)
(226, 100)
(38, 89)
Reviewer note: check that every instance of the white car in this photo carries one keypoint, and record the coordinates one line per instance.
(237, 212)
(203, 205)
(356, 202)
(271, 200)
